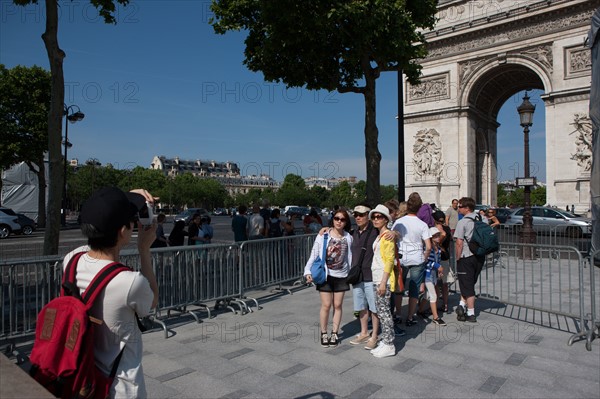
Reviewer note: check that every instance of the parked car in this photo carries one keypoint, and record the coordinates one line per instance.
(220, 212)
(547, 220)
(8, 222)
(28, 225)
(502, 214)
(299, 211)
(186, 215)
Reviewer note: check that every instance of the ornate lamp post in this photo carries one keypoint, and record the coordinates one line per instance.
(526, 110)
(73, 114)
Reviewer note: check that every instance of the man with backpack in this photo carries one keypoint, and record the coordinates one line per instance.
(107, 220)
(468, 265)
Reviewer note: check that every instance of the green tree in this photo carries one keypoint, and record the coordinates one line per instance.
(56, 55)
(88, 178)
(318, 196)
(24, 105)
(342, 195)
(388, 192)
(152, 180)
(332, 45)
(293, 191)
(213, 194)
(538, 196)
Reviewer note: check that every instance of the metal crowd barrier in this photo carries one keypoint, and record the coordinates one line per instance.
(555, 281)
(192, 276)
(26, 287)
(273, 262)
(187, 276)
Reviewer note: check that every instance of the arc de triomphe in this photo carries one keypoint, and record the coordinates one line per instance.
(481, 53)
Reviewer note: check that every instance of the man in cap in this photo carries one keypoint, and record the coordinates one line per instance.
(107, 220)
(363, 292)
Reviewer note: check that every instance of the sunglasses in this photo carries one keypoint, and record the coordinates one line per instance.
(338, 219)
(362, 215)
(378, 217)
(462, 206)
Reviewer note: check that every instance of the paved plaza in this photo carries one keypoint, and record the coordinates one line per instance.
(274, 352)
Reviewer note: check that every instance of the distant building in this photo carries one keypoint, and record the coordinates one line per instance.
(329, 183)
(226, 173)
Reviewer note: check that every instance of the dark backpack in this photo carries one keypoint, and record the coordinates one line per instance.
(484, 240)
(275, 229)
(63, 351)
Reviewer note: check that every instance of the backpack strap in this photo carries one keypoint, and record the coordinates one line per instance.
(69, 287)
(100, 281)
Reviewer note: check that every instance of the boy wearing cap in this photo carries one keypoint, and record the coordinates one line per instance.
(107, 220)
(432, 270)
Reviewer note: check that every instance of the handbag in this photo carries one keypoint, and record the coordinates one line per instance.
(355, 275)
(317, 269)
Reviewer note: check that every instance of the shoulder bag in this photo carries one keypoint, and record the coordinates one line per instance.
(355, 275)
(317, 269)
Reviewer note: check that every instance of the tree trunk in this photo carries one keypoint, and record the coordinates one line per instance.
(372, 154)
(41, 175)
(55, 57)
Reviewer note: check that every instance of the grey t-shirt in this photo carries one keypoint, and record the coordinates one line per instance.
(464, 231)
(452, 217)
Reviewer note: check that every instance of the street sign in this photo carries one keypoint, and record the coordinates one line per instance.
(526, 181)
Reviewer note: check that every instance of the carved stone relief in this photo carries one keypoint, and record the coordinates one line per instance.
(427, 153)
(431, 88)
(467, 43)
(542, 54)
(579, 62)
(583, 141)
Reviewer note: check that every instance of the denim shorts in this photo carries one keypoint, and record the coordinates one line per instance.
(363, 294)
(416, 276)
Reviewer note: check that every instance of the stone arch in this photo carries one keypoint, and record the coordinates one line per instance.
(475, 63)
(484, 93)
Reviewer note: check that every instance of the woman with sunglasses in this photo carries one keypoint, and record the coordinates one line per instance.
(338, 261)
(384, 280)
(491, 217)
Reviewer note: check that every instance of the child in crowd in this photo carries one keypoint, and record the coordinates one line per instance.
(432, 270)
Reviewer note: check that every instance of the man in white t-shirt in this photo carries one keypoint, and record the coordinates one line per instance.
(107, 219)
(414, 246)
(256, 224)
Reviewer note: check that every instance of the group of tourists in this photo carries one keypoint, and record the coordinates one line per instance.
(402, 249)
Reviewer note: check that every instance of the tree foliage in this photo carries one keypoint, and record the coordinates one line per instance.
(24, 106)
(332, 45)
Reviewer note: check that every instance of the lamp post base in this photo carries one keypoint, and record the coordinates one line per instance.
(528, 236)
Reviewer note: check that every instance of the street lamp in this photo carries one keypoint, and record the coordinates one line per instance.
(526, 110)
(73, 114)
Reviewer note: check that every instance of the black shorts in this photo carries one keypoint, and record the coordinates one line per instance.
(334, 284)
(468, 270)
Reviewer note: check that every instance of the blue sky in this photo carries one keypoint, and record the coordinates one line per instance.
(160, 82)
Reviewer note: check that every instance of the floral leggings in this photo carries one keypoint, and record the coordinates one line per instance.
(385, 315)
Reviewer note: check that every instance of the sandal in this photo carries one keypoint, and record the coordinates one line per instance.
(333, 340)
(324, 340)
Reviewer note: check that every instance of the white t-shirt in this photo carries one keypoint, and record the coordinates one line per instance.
(126, 294)
(413, 231)
(255, 225)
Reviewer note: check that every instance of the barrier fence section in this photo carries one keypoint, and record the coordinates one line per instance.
(26, 287)
(192, 276)
(273, 262)
(556, 280)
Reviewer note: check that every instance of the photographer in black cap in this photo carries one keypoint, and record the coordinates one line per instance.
(107, 220)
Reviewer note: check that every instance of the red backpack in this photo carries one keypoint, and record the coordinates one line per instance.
(63, 352)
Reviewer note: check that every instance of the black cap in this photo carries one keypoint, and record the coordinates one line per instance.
(437, 215)
(109, 209)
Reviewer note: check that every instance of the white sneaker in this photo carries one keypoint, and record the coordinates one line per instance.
(386, 351)
(377, 348)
